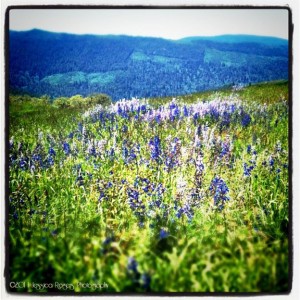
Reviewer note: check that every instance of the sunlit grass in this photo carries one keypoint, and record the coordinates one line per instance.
(184, 203)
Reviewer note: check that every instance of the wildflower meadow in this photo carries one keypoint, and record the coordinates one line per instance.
(183, 194)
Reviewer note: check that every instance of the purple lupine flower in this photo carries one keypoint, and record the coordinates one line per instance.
(108, 240)
(50, 161)
(157, 118)
(136, 205)
(146, 280)
(125, 152)
(219, 190)
(23, 163)
(132, 265)
(54, 232)
(185, 210)
(225, 149)
(271, 161)
(278, 147)
(173, 155)
(246, 119)
(185, 111)
(80, 180)
(15, 215)
(101, 196)
(80, 127)
(174, 112)
(196, 116)
(248, 169)
(188, 211)
(163, 234)
(249, 149)
(179, 212)
(109, 185)
(125, 128)
(225, 119)
(132, 155)
(144, 183)
(199, 164)
(91, 150)
(155, 148)
(51, 152)
(214, 112)
(66, 148)
(111, 153)
(134, 202)
(129, 155)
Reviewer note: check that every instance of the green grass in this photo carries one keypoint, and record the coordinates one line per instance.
(60, 232)
(265, 92)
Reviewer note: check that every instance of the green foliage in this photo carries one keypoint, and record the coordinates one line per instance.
(265, 92)
(61, 102)
(101, 99)
(77, 101)
(26, 101)
(90, 101)
(61, 229)
(24, 98)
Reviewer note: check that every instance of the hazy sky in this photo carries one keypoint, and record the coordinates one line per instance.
(167, 23)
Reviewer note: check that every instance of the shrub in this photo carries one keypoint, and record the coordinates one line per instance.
(102, 99)
(61, 102)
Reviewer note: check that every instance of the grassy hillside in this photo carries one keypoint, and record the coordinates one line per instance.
(158, 195)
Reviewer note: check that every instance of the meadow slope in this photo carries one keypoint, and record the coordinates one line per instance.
(161, 195)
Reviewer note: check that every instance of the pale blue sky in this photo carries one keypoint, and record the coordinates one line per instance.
(166, 23)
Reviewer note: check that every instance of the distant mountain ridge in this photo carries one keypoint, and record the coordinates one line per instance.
(61, 64)
(239, 38)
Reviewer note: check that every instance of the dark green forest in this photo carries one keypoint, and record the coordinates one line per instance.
(63, 65)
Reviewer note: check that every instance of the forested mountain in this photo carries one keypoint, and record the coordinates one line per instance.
(60, 64)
